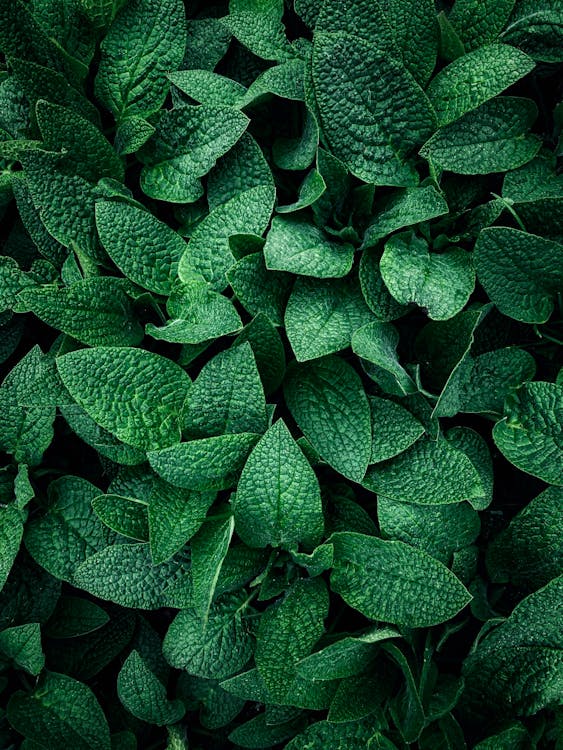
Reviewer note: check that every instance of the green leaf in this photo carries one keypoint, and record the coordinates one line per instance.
(259, 289)
(515, 670)
(210, 463)
(439, 283)
(22, 645)
(199, 315)
(187, 143)
(146, 40)
(144, 695)
(343, 438)
(227, 396)
(135, 394)
(403, 29)
(322, 314)
(394, 582)
(473, 79)
(288, 630)
(429, 473)
(529, 552)
(268, 350)
(513, 738)
(82, 142)
(75, 616)
(69, 532)
(394, 429)
(216, 648)
(11, 533)
(258, 733)
(60, 711)
(175, 515)
(478, 22)
(295, 245)
(369, 133)
(208, 252)
(520, 272)
(125, 515)
(259, 27)
(209, 548)
(278, 500)
(537, 28)
(349, 736)
(476, 449)
(492, 138)
(94, 311)
(125, 574)
(530, 434)
(347, 656)
(207, 87)
(145, 249)
(376, 343)
(284, 80)
(403, 209)
(440, 531)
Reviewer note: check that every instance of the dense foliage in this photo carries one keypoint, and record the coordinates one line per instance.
(281, 407)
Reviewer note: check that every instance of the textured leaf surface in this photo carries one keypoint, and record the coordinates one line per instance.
(115, 387)
(278, 500)
(296, 246)
(143, 695)
(475, 78)
(215, 649)
(530, 434)
(441, 283)
(394, 429)
(94, 311)
(151, 34)
(145, 249)
(492, 138)
(312, 392)
(429, 473)
(227, 396)
(520, 272)
(321, 316)
(394, 582)
(58, 711)
(209, 463)
(288, 631)
(521, 661)
(368, 134)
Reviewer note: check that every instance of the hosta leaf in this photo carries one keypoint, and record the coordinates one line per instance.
(312, 391)
(530, 434)
(135, 394)
(278, 500)
(366, 575)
